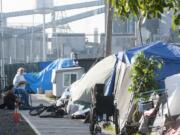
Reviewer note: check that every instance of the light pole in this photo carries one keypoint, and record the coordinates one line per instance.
(15, 48)
(31, 45)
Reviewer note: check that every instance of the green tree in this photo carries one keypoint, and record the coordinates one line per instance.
(143, 80)
(148, 8)
(143, 74)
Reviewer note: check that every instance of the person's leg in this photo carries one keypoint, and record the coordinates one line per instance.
(21, 95)
(25, 97)
(17, 93)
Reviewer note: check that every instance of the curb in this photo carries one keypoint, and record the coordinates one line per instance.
(31, 125)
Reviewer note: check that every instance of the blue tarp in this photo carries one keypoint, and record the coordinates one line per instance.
(111, 81)
(43, 65)
(43, 79)
(170, 54)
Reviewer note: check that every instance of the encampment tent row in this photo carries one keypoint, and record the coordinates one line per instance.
(116, 69)
(114, 72)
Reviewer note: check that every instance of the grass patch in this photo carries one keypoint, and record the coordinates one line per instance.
(110, 128)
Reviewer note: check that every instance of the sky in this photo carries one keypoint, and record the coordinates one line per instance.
(81, 26)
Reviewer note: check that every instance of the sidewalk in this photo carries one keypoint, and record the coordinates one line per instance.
(53, 126)
(9, 127)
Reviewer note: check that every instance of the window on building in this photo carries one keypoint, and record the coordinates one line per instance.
(69, 78)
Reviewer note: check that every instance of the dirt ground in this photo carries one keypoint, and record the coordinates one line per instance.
(9, 127)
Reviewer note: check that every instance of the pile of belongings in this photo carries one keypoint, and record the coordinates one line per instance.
(47, 111)
(9, 99)
(60, 109)
(57, 110)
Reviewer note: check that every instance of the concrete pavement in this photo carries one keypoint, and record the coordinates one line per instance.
(53, 126)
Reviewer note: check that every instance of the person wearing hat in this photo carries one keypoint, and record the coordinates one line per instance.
(19, 83)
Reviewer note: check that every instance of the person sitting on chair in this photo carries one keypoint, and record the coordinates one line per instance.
(19, 83)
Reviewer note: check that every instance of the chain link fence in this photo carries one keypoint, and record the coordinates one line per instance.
(3, 82)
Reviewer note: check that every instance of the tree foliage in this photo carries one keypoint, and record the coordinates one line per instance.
(143, 80)
(143, 74)
(148, 8)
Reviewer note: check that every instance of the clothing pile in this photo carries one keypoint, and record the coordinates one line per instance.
(62, 107)
(57, 110)
(47, 111)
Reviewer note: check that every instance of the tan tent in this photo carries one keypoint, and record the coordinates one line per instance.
(99, 73)
(81, 90)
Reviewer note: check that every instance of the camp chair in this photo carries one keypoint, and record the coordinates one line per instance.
(102, 109)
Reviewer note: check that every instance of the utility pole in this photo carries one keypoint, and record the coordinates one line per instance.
(2, 41)
(108, 29)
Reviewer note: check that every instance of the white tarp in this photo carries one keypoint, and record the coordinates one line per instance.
(98, 74)
(123, 96)
(172, 85)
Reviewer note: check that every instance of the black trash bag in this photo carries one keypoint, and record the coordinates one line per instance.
(60, 113)
(34, 111)
(53, 112)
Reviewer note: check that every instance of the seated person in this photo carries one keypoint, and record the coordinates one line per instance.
(9, 99)
(19, 83)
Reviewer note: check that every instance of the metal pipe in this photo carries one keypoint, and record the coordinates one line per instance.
(56, 8)
(44, 38)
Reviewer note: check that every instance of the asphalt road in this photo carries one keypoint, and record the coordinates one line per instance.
(56, 126)
(9, 127)
(53, 126)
